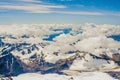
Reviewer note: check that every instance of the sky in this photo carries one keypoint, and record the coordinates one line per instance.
(60, 11)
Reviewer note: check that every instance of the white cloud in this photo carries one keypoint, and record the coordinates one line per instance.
(31, 0)
(33, 8)
(38, 8)
(30, 6)
(115, 14)
(65, 0)
(80, 13)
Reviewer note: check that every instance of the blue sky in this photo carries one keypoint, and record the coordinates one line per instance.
(60, 11)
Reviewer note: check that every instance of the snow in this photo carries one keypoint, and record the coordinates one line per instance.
(91, 64)
(78, 65)
(87, 38)
(94, 43)
(79, 76)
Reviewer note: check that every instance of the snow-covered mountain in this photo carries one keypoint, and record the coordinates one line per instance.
(53, 48)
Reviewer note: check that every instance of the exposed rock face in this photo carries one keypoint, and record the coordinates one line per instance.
(14, 65)
(114, 74)
(116, 57)
(9, 65)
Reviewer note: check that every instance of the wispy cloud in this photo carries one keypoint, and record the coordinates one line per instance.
(115, 14)
(65, 0)
(31, 0)
(31, 7)
(80, 13)
(38, 6)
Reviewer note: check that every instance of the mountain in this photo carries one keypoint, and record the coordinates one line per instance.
(53, 48)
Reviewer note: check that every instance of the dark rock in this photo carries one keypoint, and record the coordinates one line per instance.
(114, 74)
(9, 65)
(116, 57)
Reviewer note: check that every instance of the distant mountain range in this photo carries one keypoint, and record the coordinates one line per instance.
(52, 48)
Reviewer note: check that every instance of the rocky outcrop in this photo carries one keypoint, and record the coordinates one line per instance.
(116, 57)
(9, 65)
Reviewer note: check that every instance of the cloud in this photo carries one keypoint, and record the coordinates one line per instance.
(80, 13)
(32, 8)
(31, 1)
(115, 14)
(66, 0)
(38, 6)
